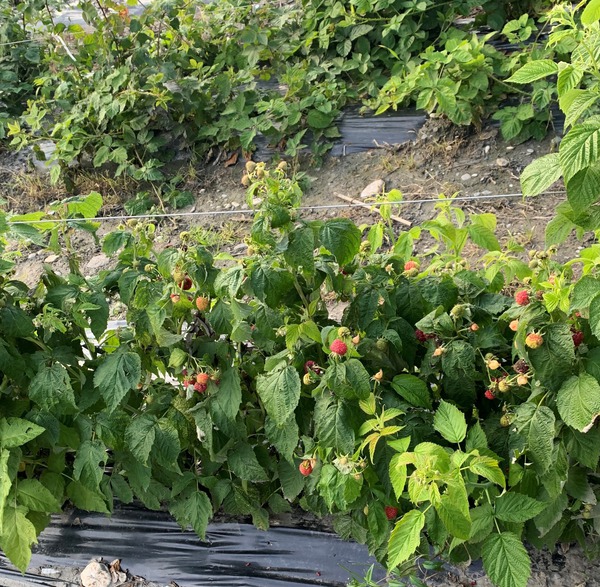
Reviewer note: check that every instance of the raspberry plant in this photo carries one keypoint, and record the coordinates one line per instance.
(421, 435)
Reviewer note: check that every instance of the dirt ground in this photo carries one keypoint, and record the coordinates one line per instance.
(441, 159)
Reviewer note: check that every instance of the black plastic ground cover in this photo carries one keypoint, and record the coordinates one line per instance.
(152, 545)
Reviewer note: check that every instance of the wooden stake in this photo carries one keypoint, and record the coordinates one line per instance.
(364, 205)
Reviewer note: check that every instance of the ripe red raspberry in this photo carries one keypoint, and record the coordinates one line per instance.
(522, 298)
(410, 265)
(200, 387)
(305, 467)
(421, 336)
(185, 283)
(489, 394)
(338, 347)
(577, 337)
(391, 512)
(534, 340)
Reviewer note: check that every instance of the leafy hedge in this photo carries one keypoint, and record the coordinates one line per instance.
(445, 415)
(132, 91)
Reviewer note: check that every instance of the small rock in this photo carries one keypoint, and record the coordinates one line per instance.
(31, 256)
(373, 189)
(502, 162)
(530, 151)
(486, 149)
(96, 262)
(96, 574)
(51, 259)
(465, 177)
(509, 148)
(235, 204)
(50, 572)
(240, 248)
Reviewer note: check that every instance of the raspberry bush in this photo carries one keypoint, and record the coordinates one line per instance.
(257, 400)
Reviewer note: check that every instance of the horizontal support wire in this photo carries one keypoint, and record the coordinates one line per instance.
(481, 197)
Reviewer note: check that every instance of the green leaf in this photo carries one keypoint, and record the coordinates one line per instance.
(540, 438)
(116, 375)
(583, 189)
(405, 538)
(332, 424)
(516, 507)
(505, 560)
(591, 13)
(568, 79)
(34, 496)
(195, 511)
(585, 290)
(397, 475)
(5, 483)
(280, 392)
(488, 468)
(140, 435)
(51, 388)
(284, 437)
(413, 390)
(342, 238)
(358, 378)
(595, 316)
(319, 120)
(300, 251)
(450, 422)
(243, 464)
(17, 537)
(539, 175)
(86, 499)
(483, 237)
(482, 519)
(16, 432)
(453, 510)
(577, 103)
(229, 395)
(534, 70)
(88, 467)
(580, 148)
(578, 401)
(554, 359)
(584, 447)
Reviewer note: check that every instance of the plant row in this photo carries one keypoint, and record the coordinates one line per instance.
(452, 411)
(132, 92)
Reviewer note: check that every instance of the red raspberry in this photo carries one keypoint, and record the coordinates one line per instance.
(489, 394)
(200, 387)
(577, 337)
(410, 265)
(338, 347)
(309, 366)
(305, 467)
(421, 336)
(391, 512)
(522, 298)
(185, 283)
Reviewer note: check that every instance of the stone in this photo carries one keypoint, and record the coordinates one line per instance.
(96, 262)
(96, 574)
(51, 259)
(465, 177)
(502, 162)
(373, 189)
